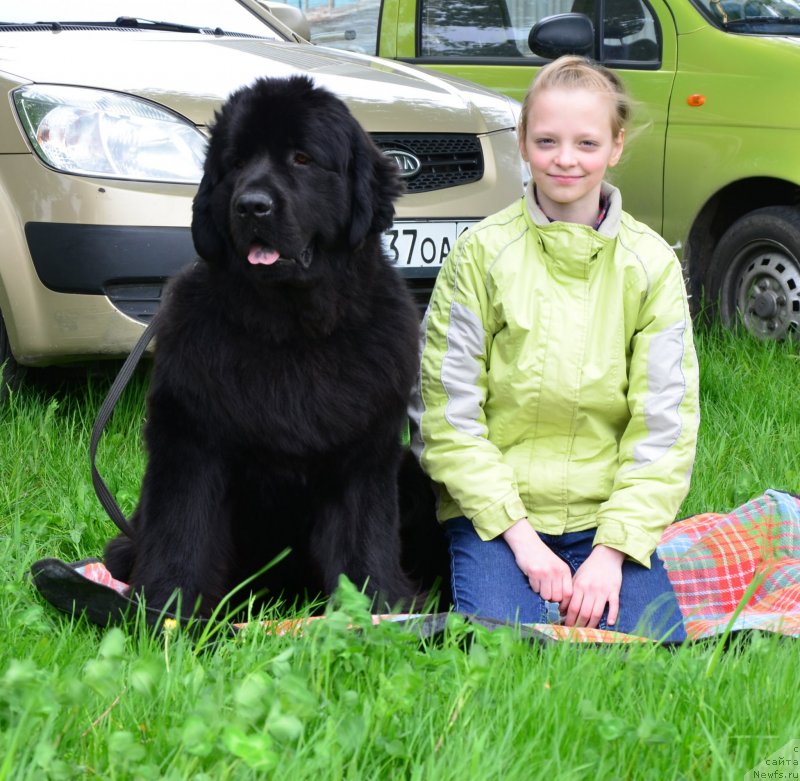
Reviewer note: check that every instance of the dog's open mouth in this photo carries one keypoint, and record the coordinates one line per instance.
(262, 256)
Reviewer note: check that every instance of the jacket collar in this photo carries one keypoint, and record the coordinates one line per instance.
(610, 225)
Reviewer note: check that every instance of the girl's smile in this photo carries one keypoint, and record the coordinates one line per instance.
(563, 179)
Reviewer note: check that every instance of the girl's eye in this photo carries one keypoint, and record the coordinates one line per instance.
(301, 158)
(543, 141)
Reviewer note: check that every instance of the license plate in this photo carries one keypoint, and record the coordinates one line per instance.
(422, 244)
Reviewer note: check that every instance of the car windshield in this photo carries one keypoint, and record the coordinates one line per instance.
(174, 15)
(776, 17)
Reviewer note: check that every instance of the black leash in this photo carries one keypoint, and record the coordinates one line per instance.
(121, 381)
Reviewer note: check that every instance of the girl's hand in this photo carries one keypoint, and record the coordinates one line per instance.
(595, 585)
(549, 576)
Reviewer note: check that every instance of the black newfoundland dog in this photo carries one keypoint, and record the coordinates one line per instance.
(284, 362)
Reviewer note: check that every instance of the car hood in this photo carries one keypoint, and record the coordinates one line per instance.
(193, 74)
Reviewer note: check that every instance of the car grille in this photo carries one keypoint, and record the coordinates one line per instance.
(446, 159)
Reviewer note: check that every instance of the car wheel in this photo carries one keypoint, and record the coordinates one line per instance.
(755, 272)
(10, 372)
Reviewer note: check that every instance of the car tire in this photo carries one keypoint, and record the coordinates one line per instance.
(755, 273)
(10, 371)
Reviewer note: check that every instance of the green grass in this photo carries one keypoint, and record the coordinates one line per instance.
(80, 702)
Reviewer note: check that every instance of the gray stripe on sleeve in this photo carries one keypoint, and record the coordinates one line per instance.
(461, 371)
(666, 387)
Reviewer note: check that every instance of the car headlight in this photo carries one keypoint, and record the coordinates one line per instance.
(108, 134)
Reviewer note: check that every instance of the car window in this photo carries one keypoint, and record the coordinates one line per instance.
(228, 15)
(629, 30)
(499, 28)
(739, 13)
(344, 24)
(470, 29)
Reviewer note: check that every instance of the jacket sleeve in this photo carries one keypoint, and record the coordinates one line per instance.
(657, 447)
(456, 450)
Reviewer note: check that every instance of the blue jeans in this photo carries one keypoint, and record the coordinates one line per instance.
(487, 582)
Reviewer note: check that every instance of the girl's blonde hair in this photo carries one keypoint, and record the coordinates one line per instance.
(573, 72)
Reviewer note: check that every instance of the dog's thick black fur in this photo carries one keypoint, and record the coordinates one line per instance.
(284, 361)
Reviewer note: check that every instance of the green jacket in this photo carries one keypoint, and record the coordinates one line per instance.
(559, 379)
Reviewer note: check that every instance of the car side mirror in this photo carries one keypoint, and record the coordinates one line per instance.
(561, 34)
(289, 15)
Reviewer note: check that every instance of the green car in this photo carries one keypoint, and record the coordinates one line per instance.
(713, 161)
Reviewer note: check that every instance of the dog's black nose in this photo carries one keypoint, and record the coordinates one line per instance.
(253, 204)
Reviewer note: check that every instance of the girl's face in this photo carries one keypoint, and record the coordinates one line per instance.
(569, 143)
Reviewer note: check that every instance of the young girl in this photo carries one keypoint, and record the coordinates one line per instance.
(559, 389)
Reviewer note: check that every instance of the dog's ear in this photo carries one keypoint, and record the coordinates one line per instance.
(376, 184)
(209, 207)
(209, 242)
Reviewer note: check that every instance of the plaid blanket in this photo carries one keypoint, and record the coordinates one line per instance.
(95, 572)
(741, 568)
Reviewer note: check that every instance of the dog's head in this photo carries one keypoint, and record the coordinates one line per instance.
(289, 170)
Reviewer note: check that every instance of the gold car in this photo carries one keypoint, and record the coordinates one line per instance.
(102, 141)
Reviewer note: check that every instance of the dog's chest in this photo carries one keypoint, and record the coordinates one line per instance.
(325, 389)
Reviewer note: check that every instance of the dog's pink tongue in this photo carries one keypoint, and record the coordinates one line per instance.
(263, 256)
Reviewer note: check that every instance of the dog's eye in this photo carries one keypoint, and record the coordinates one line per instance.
(301, 158)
